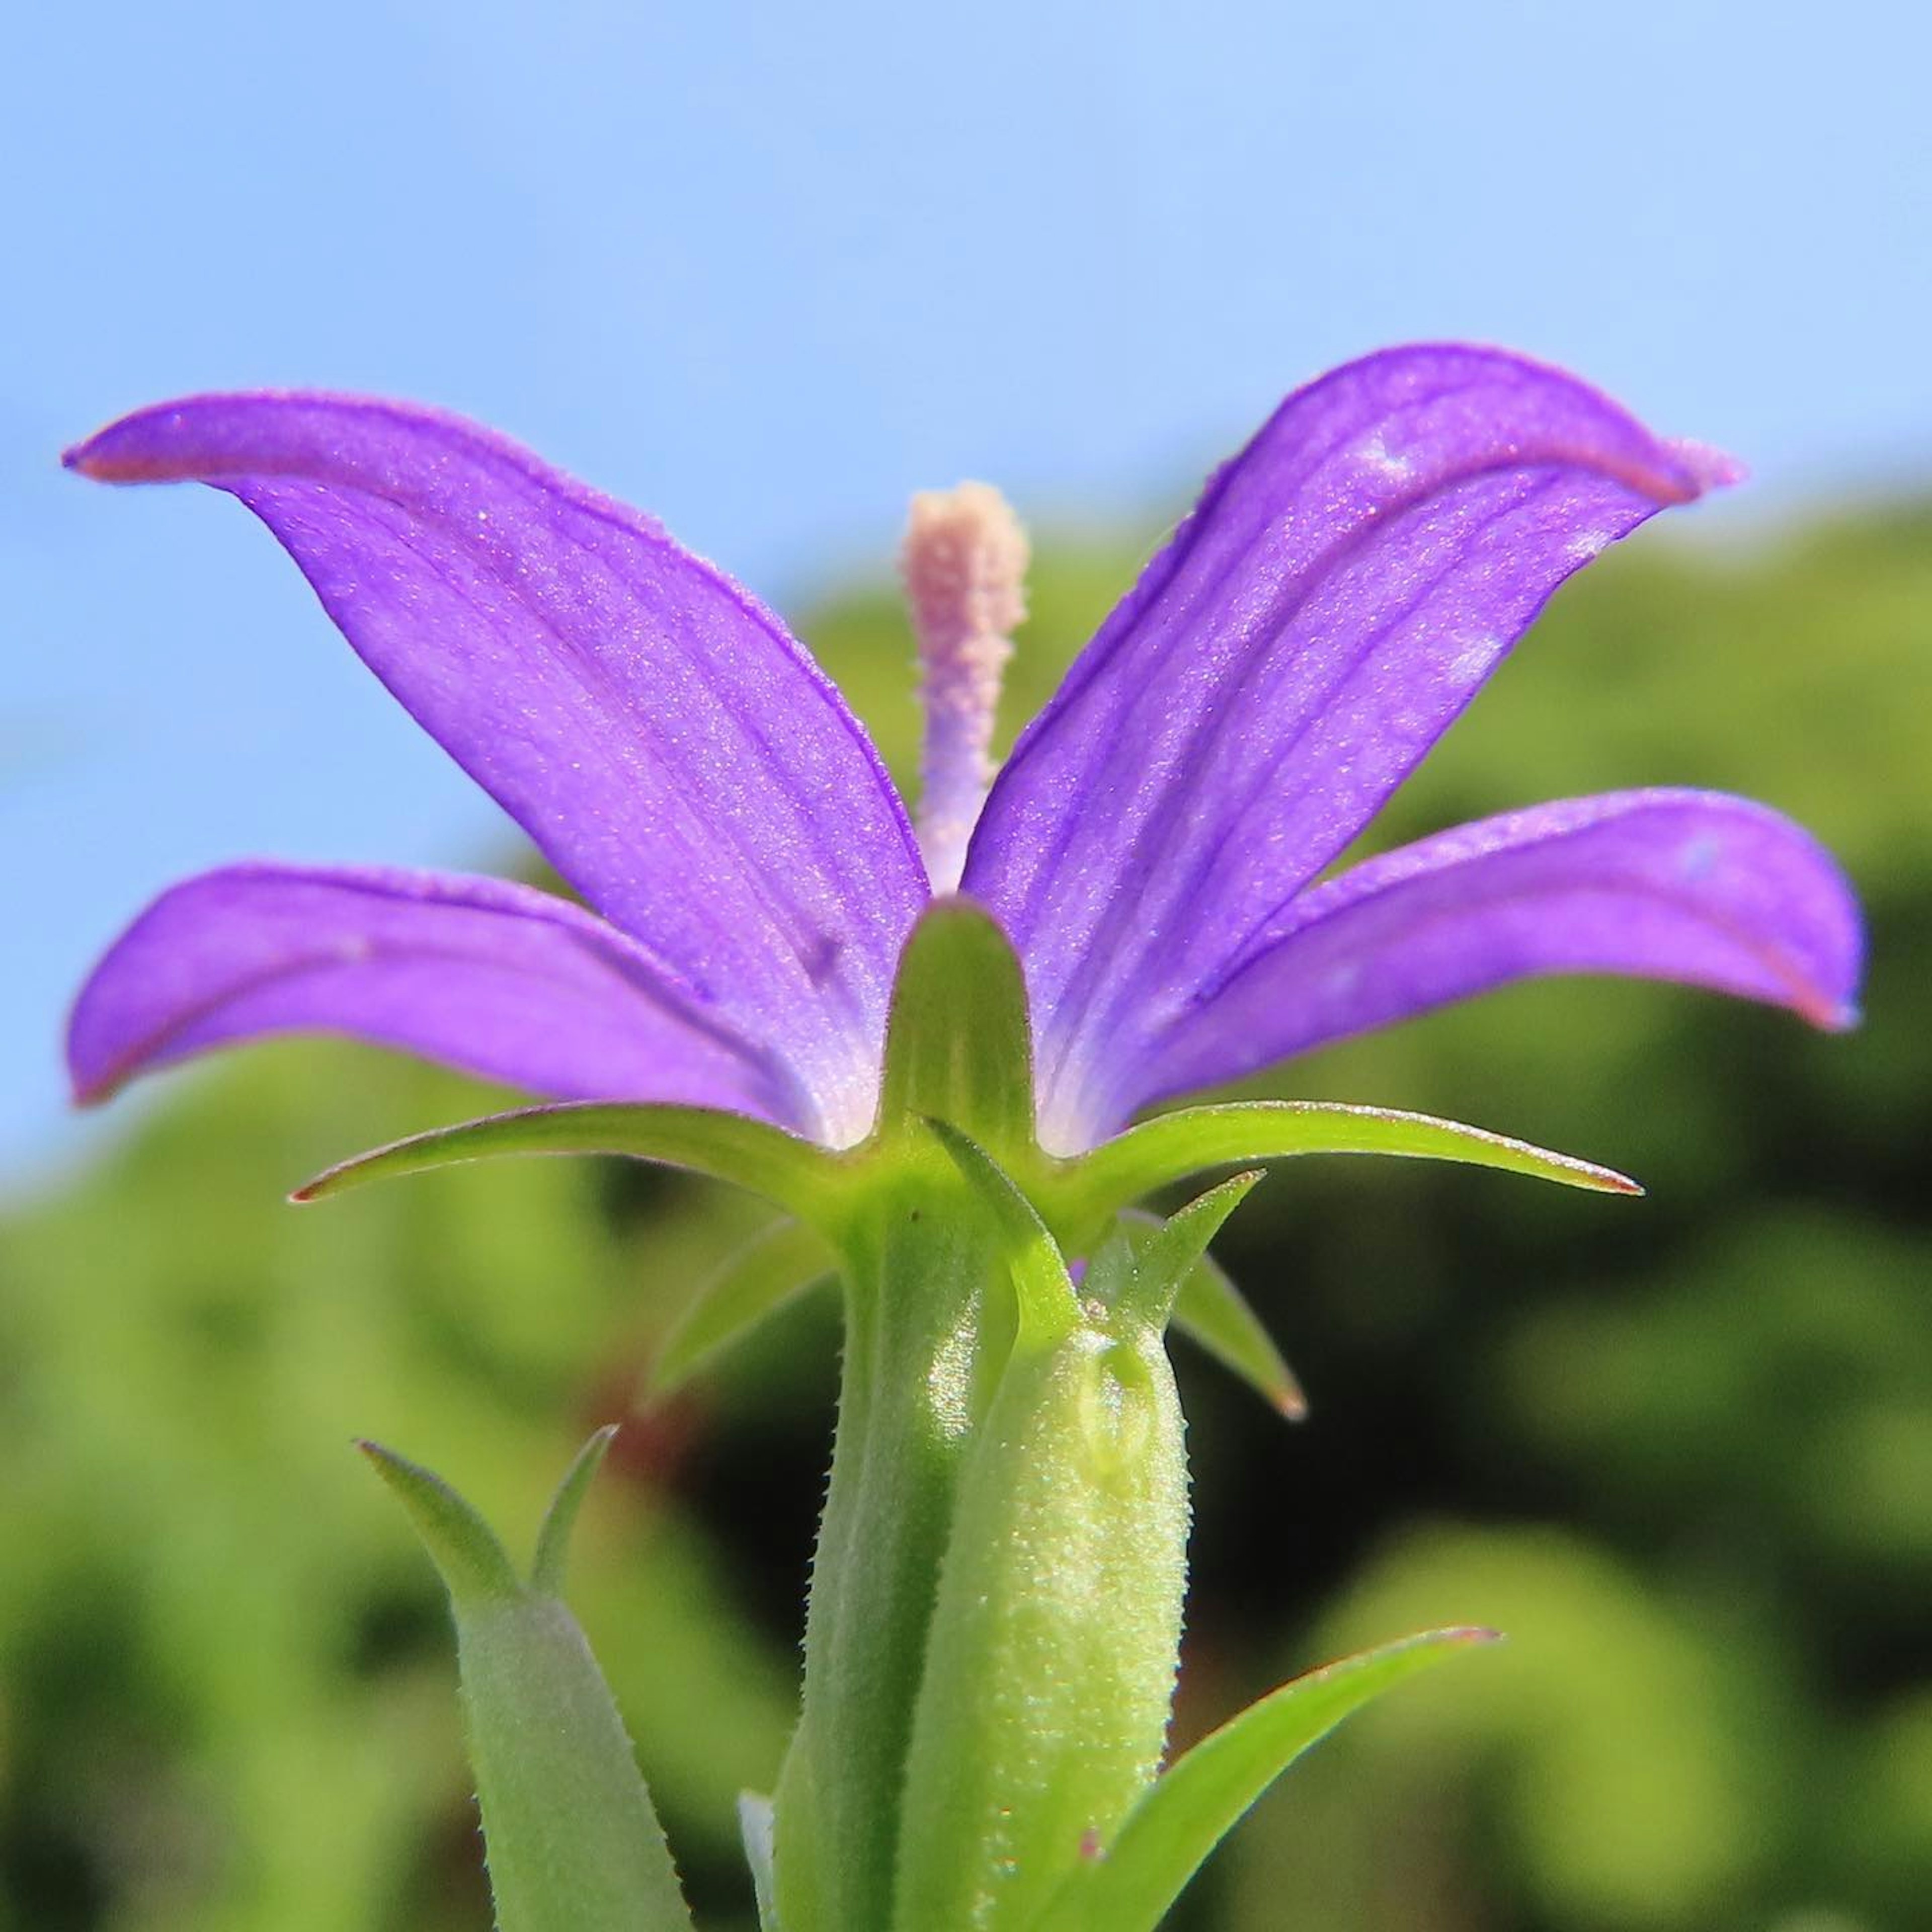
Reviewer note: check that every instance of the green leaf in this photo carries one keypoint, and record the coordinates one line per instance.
(757, 1830)
(1214, 1314)
(1132, 1885)
(472, 1564)
(573, 1841)
(560, 1518)
(958, 1043)
(807, 1181)
(1171, 1146)
(771, 1271)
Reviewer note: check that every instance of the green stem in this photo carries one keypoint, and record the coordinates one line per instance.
(917, 1375)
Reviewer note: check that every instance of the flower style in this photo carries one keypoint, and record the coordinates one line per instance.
(1151, 848)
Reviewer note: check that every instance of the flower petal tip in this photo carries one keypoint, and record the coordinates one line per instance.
(133, 448)
(93, 1078)
(1710, 469)
(86, 458)
(100, 466)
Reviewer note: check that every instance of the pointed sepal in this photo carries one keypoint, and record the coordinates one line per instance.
(573, 1841)
(1218, 1318)
(1140, 1272)
(1043, 1291)
(1130, 1885)
(1172, 1147)
(804, 1179)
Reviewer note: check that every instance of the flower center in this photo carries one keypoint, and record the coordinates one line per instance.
(965, 564)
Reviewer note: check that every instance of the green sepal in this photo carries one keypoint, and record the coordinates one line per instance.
(574, 1843)
(1046, 1307)
(1140, 1272)
(804, 1179)
(1131, 1884)
(771, 1271)
(958, 1042)
(1217, 1317)
(1172, 1147)
(757, 1831)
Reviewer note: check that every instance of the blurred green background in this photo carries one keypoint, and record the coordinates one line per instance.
(1681, 1450)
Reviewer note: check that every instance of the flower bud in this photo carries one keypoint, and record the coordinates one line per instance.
(1051, 1657)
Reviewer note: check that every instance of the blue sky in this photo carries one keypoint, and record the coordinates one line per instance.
(765, 269)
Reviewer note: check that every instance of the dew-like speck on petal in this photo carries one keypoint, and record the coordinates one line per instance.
(1473, 657)
(1375, 455)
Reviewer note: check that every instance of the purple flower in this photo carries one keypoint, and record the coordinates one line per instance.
(1152, 847)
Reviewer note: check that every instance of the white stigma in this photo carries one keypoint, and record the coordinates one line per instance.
(964, 563)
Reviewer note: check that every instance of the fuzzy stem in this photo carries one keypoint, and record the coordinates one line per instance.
(915, 1384)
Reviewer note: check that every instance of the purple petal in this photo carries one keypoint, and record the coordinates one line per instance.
(672, 750)
(1340, 593)
(1663, 884)
(500, 979)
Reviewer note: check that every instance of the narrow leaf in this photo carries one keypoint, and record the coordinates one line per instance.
(574, 1843)
(775, 1268)
(1171, 1146)
(805, 1180)
(1214, 1314)
(1135, 1882)
(560, 1518)
(471, 1562)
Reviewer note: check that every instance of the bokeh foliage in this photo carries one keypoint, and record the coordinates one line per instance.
(1681, 1449)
